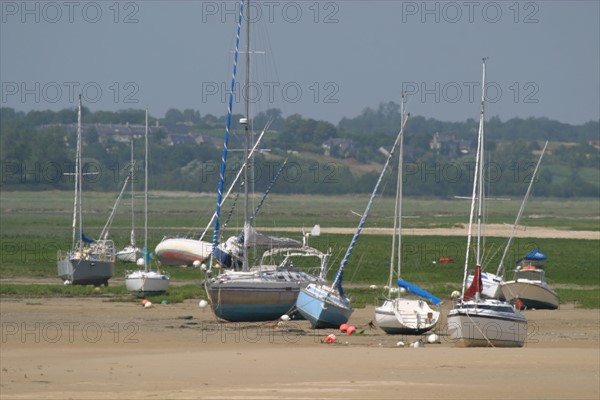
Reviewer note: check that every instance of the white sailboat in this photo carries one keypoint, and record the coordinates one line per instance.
(475, 321)
(131, 252)
(145, 281)
(400, 314)
(89, 261)
(264, 291)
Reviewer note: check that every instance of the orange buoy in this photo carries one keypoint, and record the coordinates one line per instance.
(350, 330)
(343, 327)
(144, 302)
(330, 338)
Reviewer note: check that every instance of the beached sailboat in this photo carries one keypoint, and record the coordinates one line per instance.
(492, 282)
(89, 261)
(145, 281)
(264, 291)
(131, 252)
(327, 305)
(529, 288)
(400, 314)
(475, 321)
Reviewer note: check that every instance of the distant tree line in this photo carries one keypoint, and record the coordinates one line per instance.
(40, 159)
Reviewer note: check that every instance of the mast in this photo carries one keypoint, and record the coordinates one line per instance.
(481, 168)
(76, 173)
(146, 254)
(520, 213)
(226, 141)
(79, 175)
(476, 177)
(397, 230)
(132, 235)
(247, 135)
(337, 282)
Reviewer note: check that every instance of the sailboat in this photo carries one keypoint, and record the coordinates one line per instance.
(529, 288)
(261, 292)
(131, 252)
(89, 261)
(145, 281)
(475, 321)
(327, 306)
(401, 315)
(492, 282)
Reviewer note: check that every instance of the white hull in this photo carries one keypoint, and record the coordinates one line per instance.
(129, 254)
(487, 323)
(182, 251)
(146, 281)
(533, 294)
(406, 316)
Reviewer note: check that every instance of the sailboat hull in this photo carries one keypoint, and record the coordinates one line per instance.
(486, 324)
(147, 282)
(406, 316)
(532, 294)
(130, 254)
(323, 308)
(85, 272)
(181, 251)
(262, 295)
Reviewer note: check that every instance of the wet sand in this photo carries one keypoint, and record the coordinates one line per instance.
(84, 348)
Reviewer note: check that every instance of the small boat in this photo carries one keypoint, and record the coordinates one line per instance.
(145, 281)
(89, 262)
(400, 314)
(265, 293)
(529, 288)
(131, 253)
(182, 251)
(475, 321)
(327, 306)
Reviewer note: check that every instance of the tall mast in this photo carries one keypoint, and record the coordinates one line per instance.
(146, 258)
(226, 141)
(481, 168)
(79, 175)
(476, 177)
(520, 212)
(397, 231)
(247, 132)
(76, 173)
(132, 235)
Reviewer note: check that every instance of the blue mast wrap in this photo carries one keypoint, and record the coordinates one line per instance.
(224, 158)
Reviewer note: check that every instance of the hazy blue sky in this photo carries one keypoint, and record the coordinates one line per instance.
(324, 60)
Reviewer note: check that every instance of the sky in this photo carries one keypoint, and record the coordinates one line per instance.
(322, 59)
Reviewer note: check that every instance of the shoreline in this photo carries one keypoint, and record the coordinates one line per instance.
(90, 348)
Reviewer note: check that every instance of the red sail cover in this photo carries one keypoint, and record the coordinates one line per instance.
(476, 285)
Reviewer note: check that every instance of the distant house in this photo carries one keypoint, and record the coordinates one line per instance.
(339, 147)
(122, 133)
(173, 139)
(449, 145)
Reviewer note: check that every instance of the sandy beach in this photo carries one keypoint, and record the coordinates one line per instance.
(91, 348)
